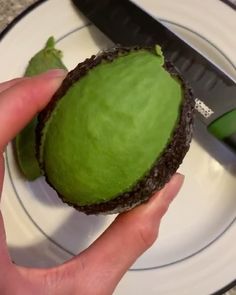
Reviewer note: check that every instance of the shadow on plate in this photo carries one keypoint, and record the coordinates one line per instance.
(99, 38)
(72, 237)
(95, 33)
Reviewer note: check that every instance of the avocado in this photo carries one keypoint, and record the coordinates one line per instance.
(46, 59)
(116, 130)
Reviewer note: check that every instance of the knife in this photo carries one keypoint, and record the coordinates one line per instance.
(231, 3)
(215, 93)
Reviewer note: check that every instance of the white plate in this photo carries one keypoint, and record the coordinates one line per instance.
(195, 252)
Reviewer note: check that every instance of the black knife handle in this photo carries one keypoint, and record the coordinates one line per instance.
(231, 3)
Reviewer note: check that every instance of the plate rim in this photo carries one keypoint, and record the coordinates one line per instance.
(11, 25)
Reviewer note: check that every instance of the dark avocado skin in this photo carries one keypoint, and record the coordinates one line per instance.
(166, 164)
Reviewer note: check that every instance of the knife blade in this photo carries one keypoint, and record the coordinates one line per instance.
(215, 93)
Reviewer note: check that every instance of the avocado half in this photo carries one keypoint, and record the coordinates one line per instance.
(116, 130)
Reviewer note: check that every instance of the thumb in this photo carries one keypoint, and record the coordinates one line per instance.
(131, 234)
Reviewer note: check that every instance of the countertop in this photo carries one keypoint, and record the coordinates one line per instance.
(8, 11)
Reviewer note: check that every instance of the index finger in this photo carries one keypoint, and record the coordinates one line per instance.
(20, 103)
(5, 85)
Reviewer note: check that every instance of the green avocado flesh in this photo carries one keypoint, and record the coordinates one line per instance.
(225, 126)
(25, 151)
(110, 127)
(46, 59)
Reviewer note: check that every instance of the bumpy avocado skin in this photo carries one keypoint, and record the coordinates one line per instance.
(164, 166)
(46, 59)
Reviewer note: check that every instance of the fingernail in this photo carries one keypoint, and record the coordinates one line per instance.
(54, 77)
(55, 73)
(172, 188)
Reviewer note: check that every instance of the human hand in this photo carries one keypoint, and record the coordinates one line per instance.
(99, 268)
